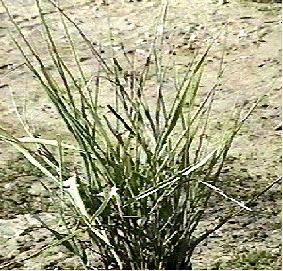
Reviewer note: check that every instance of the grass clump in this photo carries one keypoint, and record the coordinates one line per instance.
(145, 173)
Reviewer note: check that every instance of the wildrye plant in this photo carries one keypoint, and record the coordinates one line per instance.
(145, 172)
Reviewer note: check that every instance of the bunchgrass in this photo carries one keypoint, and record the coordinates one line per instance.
(144, 173)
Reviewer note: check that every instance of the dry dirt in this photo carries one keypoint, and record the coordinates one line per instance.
(251, 34)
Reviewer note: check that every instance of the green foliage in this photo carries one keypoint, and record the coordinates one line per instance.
(252, 260)
(144, 172)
